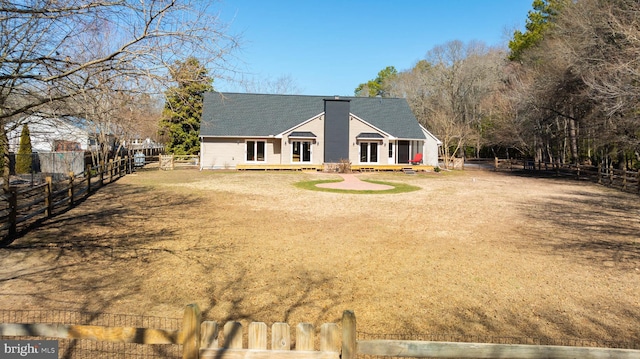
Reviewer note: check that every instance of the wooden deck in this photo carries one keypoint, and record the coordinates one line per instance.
(313, 167)
(394, 168)
(283, 167)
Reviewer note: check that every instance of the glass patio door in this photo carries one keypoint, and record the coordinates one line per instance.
(301, 151)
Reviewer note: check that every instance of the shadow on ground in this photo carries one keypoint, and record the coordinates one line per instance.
(597, 228)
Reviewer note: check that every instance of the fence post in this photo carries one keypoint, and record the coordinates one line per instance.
(495, 163)
(13, 211)
(72, 178)
(624, 179)
(101, 170)
(600, 172)
(48, 196)
(88, 176)
(110, 170)
(578, 169)
(348, 335)
(611, 175)
(191, 332)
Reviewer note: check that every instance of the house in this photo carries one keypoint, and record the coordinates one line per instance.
(59, 134)
(59, 144)
(137, 143)
(239, 130)
(52, 134)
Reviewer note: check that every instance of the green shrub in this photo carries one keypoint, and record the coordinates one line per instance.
(23, 158)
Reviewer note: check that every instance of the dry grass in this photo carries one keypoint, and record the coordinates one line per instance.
(473, 252)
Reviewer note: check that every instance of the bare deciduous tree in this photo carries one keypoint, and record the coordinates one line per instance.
(283, 85)
(448, 90)
(56, 52)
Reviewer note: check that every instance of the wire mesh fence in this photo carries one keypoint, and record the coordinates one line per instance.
(72, 348)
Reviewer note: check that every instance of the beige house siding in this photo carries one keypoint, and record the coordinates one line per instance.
(274, 148)
(316, 126)
(356, 126)
(221, 153)
(431, 146)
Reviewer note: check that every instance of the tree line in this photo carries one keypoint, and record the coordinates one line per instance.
(565, 91)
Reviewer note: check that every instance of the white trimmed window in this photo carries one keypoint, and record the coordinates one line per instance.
(300, 151)
(256, 151)
(369, 152)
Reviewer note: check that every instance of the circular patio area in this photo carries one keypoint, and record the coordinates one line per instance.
(352, 182)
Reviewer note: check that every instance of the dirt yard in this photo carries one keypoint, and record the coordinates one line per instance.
(471, 253)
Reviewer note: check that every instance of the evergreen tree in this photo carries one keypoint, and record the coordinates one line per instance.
(182, 112)
(23, 159)
(377, 86)
(538, 21)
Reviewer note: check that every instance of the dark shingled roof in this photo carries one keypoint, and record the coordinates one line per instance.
(372, 135)
(305, 134)
(262, 115)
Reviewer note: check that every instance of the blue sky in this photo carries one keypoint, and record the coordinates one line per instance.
(329, 47)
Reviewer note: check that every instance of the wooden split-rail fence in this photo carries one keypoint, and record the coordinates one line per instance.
(19, 205)
(201, 339)
(625, 180)
(170, 162)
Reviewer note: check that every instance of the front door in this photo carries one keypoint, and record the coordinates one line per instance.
(403, 151)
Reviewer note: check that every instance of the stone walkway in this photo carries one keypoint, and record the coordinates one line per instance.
(352, 182)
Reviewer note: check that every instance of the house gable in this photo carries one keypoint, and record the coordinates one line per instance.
(369, 127)
(310, 123)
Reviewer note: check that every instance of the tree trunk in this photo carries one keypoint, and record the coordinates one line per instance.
(549, 153)
(6, 172)
(573, 139)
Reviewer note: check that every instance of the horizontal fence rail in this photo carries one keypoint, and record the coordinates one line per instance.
(418, 349)
(93, 332)
(96, 335)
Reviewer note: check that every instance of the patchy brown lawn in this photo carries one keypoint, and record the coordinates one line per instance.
(474, 253)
